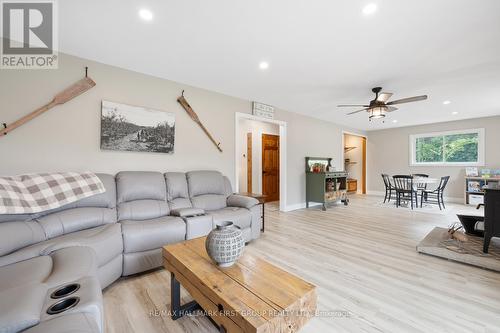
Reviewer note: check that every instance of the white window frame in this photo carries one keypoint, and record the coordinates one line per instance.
(480, 148)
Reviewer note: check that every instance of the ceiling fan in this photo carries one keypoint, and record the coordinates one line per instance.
(379, 107)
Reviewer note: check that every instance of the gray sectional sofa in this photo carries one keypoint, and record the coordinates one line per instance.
(89, 244)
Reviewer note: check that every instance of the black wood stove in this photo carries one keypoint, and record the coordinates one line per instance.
(491, 214)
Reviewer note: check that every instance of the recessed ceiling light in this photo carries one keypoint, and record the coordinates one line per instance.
(264, 65)
(146, 14)
(454, 113)
(446, 102)
(394, 121)
(370, 9)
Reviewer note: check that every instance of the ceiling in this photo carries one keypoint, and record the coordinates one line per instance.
(320, 53)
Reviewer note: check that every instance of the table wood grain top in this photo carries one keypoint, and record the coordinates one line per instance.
(250, 296)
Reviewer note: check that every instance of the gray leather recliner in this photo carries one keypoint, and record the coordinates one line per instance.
(88, 222)
(26, 286)
(211, 191)
(83, 243)
(143, 213)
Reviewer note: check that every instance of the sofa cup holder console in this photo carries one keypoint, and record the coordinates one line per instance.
(65, 291)
(63, 305)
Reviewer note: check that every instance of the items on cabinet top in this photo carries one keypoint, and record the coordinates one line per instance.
(319, 164)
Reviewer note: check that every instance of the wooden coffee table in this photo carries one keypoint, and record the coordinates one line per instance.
(251, 296)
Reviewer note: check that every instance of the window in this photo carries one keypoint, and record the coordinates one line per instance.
(464, 147)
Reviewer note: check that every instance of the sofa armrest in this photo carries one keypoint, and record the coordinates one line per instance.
(185, 212)
(237, 200)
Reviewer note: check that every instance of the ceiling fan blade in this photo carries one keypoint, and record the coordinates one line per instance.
(391, 108)
(384, 97)
(408, 100)
(351, 105)
(358, 111)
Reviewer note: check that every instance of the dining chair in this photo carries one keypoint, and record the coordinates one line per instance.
(390, 190)
(405, 189)
(435, 196)
(420, 186)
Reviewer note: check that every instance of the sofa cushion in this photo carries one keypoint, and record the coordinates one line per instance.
(177, 190)
(70, 264)
(137, 262)
(16, 235)
(241, 217)
(209, 201)
(74, 323)
(205, 182)
(198, 226)
(25, 272)
(15, 217)
(152, 234)
(76, 219)
(84, 214)
(140, 185)
(105, 240)
(179, 203)
(20, 307)
(142, 210)
(236, 200)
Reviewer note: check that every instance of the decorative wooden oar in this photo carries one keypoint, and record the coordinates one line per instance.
(182, 101)
(64, 96)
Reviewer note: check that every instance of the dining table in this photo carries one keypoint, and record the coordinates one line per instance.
(425, 180)
(419, 181)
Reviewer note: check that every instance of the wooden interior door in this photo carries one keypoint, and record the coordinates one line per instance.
(249, 162)
(271, 167)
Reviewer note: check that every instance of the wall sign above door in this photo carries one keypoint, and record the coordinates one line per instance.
(263, 110)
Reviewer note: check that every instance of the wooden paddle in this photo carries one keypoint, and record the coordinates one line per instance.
(64, 96)
(182, 101)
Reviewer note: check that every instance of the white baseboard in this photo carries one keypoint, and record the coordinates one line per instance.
(446, 199)
(302, 205)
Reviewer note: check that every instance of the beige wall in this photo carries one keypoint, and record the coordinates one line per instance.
(388, 152)
(67, 137)
(355, 155)
(257, 128)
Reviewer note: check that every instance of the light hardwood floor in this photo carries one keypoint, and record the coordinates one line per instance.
(361, 257)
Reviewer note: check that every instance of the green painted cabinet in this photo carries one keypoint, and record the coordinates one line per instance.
(323, 185)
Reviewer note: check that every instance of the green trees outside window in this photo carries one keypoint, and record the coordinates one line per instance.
(453, 148)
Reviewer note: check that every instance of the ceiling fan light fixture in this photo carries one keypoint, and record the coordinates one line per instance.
(378, 112)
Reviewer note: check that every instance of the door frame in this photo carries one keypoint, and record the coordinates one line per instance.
(283, 161)
(365, 158)
(249, 162)
(261, 178)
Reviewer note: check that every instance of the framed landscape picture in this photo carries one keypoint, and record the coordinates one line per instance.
(133, 128)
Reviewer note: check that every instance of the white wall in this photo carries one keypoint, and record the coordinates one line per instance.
(388, 152)
(355, 155)
(67, 137)
(257, 128)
